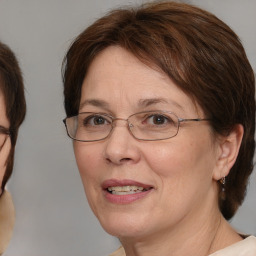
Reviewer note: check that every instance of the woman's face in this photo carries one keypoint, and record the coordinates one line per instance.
(5, 143)
(176, 174)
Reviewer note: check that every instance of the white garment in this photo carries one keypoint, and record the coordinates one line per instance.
(246, 247)
(119, 252)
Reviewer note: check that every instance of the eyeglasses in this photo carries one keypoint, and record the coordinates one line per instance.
(4, 133)
(148, 125)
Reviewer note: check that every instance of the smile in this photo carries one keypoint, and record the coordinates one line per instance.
(126, 190)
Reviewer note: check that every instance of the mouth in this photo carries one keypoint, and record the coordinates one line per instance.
(126, 190)
(125, 187)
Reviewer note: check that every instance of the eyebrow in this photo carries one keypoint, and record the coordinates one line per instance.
(143, 103)
(95, 103)
(153, 101)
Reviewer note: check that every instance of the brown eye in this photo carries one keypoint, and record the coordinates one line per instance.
(98, 120)
(158, 119)
(95, 120)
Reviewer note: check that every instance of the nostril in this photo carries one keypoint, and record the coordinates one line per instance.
(125, 159)
(108, 160)
(122, 160)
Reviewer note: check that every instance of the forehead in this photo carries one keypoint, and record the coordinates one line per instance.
(119, 78)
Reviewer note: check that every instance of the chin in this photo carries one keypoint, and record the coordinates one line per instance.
(124, 225)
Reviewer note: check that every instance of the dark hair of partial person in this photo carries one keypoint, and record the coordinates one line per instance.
(199, 52)
(12, 88)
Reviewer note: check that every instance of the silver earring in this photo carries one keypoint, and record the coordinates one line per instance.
(223, 190)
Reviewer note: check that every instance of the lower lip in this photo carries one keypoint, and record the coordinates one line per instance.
(126, 199)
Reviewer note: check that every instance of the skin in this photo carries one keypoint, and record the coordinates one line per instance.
(183, 170)
(7, 144)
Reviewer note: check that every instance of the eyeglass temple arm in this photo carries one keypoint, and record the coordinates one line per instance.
(193, 119)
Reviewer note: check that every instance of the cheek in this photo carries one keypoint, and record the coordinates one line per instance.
(181, 163)
(168, 159)
(183, 175)
(88, 161)
(87, 158)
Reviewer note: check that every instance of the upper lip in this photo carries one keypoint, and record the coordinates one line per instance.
(126, 182)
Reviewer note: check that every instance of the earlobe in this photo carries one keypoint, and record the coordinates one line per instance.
(228, 150)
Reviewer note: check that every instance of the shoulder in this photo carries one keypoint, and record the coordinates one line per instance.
(119, 252)
(246, 247)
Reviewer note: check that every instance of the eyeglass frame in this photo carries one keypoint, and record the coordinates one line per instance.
(4, 131)
(180, 120)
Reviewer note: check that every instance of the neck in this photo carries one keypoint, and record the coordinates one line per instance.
(200, 237)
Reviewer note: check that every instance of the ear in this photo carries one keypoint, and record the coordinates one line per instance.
(4, 153)
(228, 150)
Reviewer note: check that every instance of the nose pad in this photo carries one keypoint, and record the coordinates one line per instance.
(126, 123)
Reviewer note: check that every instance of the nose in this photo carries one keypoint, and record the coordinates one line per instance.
(120, 146)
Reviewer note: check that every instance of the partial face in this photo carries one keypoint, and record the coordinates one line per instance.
(4, 141)
(170, 180)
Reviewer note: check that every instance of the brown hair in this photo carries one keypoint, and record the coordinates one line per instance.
(199, 52)
(11, 85)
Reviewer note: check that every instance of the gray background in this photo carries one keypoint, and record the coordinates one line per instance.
(53, 217)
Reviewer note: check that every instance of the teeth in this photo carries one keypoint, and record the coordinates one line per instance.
(125, 190)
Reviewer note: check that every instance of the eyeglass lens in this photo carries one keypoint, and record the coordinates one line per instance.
(150, 125)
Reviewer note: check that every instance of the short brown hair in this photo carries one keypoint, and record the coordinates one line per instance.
(11, 85)
(199, 52)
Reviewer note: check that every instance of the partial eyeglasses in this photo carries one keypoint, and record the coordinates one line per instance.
(4, 133)
(146, 126)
